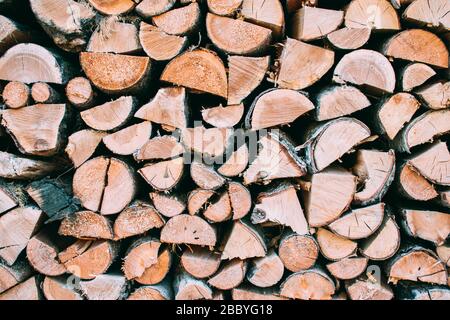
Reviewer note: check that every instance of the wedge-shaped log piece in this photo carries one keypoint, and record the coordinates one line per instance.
(244, 241)
(11, 195)
(82, 144)
(384, 243)
(276, 159)
(236, 36)
(159, 148)
(198, 199)
(331, 140)
(311, 23)
(235, 163)
(188, 229)
(443, 252)
(27, 290)
(169, 205)
(11, 276)
(26, 127)
(150, 8)
(205, 176)
(411, 45)
(373, 14)
(375, 171)
(137, 219)
(21, 168)
(223, 117)
(12, 33)
(244, 75)
(337, 101)
(105, 287)
(413, 185)
(224, 7)
(163, 175)
(200, 262)
(114, 7)
(159, 45)
(415, 74)
(359, 223)
(210, 143)
(435, 96)
(277, 107)
(280, 205)
(334, 247)
(298, 252)
(433, 163)
(266, 271)
(302, 64)
(429, 13)
(162, 291)
(42, 253)
(86, 225)
(266, 13)
(180, 21)
(186, 287)
(240, 198)
(219, 210)
(116, 73)
(428, 225)
(230, 275)
(110, 115)
(348, 268)
(59, 288)
(349, 38)
(251, 293)
(30, 63)
(417, 264)
(312, 284)
(368, 69)
(17, 227)
(365, 288)
(130, 139)
(200, 70)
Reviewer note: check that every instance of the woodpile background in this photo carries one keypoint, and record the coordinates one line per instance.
(224, 149)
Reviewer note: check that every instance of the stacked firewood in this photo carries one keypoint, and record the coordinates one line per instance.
(224, 149)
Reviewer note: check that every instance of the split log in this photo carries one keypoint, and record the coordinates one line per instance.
(82, 144)
(209, 143)
(114, 7)
(334, 187)
(266, 271)
(202, 71)
(219, 210)
(80, 94)
(328, 142)
(423, 292)
(54, 197)
(181, 21)
(435, 96)
(443, 252)
(69, 31)
(200, 262)
(368, 69)
(311, 23)
(129, 74)
(298, 252)
(234, 36)
(265, 110)
(27, 290)
(312, 284)
(384, 243)
(43, 93)
(168, 205)
(92, 260)
(250, 293)
(169, 107)
(224, 7)
(12, 33)
(186, 287)
(240, 198)
(302, 64)
(159, 148)
(205, 176)
(74, 250)
(106, 185)
(146, 261)
(11, 276)
(223, 117)
(128, 140)
(280, 205)
(359, 223)
(244, 241)
(105, 287)
(428, 13)
(349, 38)
(336, 101)
(366, 288)
(230, 275)
(413, 185)
(433, 163)
(150, 8)
(161, 291)
(110, 115)
(428, 225)
(59, 288)
(395, 112)
(236, 163)
(408, 45)
(164, 175)
(11, 196)
(417, 264)
(159, 45)
(348, 268)
(415, 74)
(16, 95)
(42, 253)
(374, 14)
(375, 171)
(198, 199)
(114, 36)
(188, 229)
(86, 225)
(17, 227)
(21, 168)
(244, 75)
(137, 218)
(335, 247)
(265, 13)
